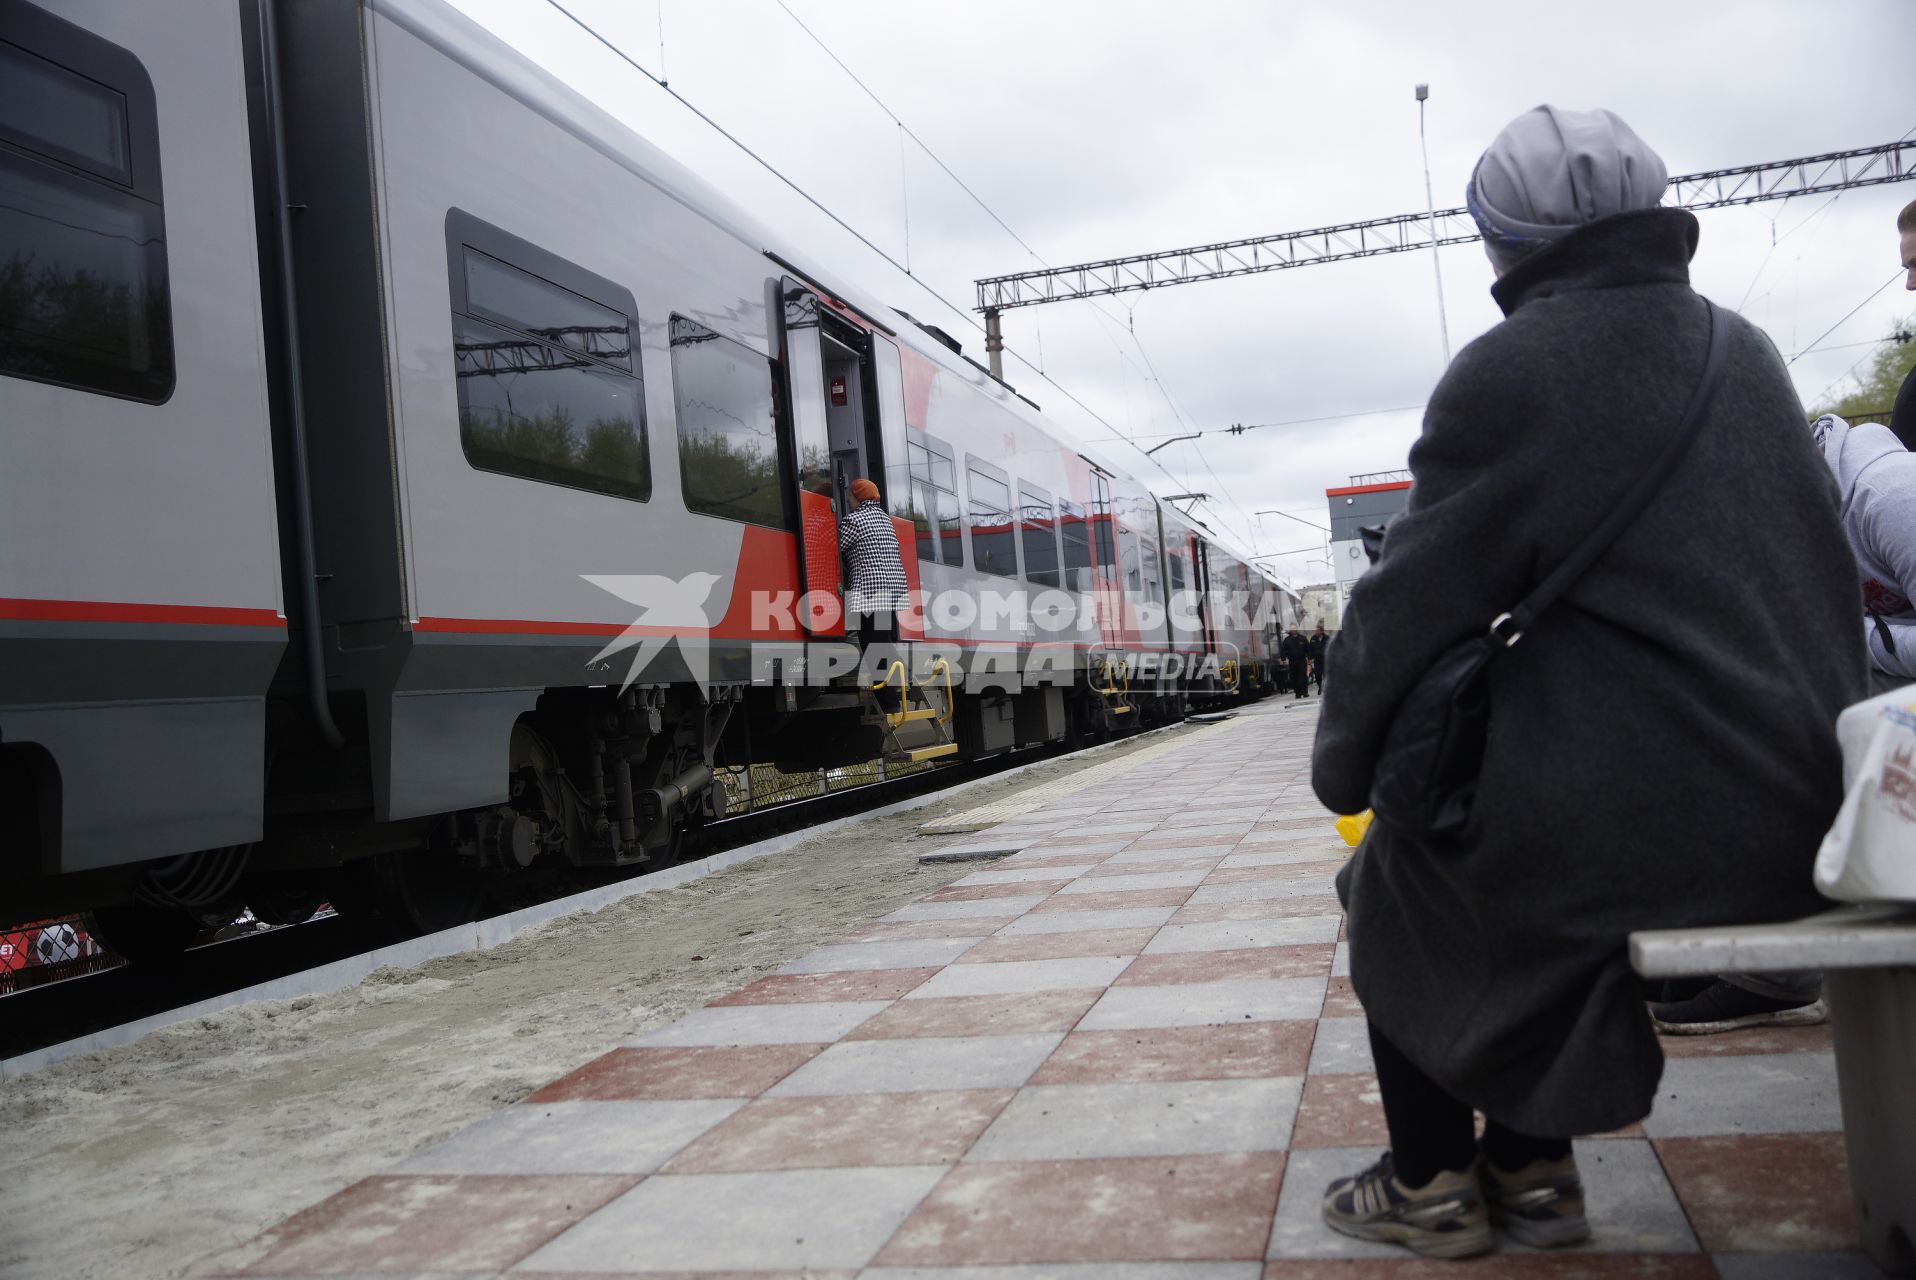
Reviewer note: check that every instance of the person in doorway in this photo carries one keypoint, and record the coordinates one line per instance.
(1320, 644)
(1902, 416)
(1494, 970)
(1296, 652)
(869, 542)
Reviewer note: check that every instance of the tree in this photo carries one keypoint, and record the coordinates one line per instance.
(1873, 389)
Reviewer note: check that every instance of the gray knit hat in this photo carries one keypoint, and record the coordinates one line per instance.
(1551, 171)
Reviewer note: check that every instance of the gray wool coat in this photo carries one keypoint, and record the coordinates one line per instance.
(1662, 749)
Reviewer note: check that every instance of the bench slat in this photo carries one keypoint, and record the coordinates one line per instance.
(1872, 936)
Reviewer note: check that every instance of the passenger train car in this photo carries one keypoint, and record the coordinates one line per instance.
(405, 467)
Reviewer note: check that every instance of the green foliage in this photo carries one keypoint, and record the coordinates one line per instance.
(57, 322)
(731, 476)
(1873, 388)
(608, 455)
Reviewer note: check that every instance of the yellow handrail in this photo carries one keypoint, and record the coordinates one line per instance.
(938, 665)
(895, 719)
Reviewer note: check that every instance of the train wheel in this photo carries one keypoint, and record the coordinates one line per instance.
(428, 893)
(144, 935)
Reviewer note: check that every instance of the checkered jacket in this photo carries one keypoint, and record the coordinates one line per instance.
(869, 542)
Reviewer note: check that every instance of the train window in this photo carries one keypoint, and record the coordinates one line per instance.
(1077, 544)
(543, 360)
(951, 532)
(1128, 559)
(1037, 533)
(1148, 564)
(728, 438)
(520, 300)
(934, 501)
(83, 280)
(993, 544)
(1176, 564)
(1101, 524)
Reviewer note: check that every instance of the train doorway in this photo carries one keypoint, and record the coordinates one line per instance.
(824, 428)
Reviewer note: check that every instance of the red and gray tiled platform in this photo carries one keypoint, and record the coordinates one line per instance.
(1128, 1052)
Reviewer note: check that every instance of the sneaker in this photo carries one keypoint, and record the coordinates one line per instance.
(1722, 1007)
(1445, 1218)
(1673, 990)
(1540, 1205)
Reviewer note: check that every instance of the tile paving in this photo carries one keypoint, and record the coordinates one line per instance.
(1129, 1051)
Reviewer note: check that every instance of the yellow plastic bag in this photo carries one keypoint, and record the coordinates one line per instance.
(1353, 827)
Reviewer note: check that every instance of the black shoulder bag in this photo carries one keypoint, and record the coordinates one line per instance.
(1426, 777)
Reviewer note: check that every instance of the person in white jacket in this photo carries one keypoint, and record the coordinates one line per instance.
(1877, 477)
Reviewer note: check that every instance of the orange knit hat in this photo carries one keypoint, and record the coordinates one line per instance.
(864, 490)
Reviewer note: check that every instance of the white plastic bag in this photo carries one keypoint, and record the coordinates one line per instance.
(1869, 854)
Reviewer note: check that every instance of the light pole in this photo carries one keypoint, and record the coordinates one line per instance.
(1430, 201)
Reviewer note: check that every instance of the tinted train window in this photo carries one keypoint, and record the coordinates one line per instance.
(545, 368)
(1036, 526)
(728, 438)
(992, 539)
(934, 502)
(1101, 517)
(1077, 544)
(83, 283)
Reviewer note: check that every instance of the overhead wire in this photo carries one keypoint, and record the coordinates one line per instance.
(772, 169)
(1847, 315)
(1239, 428)
(1776, 240)
(907, 131)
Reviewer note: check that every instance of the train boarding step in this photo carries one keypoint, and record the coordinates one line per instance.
(915, 716)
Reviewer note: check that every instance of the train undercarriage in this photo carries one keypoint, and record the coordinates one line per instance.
(600, 782)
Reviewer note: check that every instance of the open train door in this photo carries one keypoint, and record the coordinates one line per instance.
(1108, 586)
(1206, 603)
(803, 354)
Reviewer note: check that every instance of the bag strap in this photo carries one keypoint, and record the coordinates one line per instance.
(1509, 627)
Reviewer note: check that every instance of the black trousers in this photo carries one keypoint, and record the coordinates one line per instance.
(1431, 1132)
(875, 626)
(1300, 677)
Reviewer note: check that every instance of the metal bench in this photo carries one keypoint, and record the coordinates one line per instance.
(1868, 955)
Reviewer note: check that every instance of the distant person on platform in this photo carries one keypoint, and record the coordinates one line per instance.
(869, 542)
(1320, 645)
(1296, 652)
(1493, 965)
(1902, 418)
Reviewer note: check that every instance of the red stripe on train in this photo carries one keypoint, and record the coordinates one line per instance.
(110, 611)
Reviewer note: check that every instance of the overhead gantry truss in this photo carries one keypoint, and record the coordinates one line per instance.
(1718, 188)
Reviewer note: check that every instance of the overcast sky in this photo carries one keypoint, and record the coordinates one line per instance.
(1098, 129)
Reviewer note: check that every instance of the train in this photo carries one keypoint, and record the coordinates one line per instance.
(409, 475)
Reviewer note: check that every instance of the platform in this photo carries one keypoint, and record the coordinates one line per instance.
(1126, 1052)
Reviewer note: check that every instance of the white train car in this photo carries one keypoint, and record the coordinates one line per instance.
(405, 465)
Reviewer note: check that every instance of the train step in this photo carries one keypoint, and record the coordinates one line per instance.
(914, 715)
